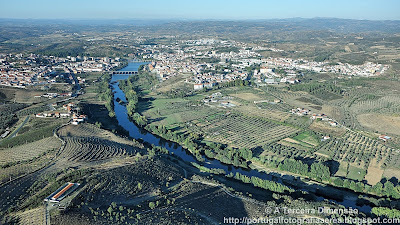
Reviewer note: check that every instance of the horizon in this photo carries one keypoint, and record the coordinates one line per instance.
(189, 19)
(234, 10)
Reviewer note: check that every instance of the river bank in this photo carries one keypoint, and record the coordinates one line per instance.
(323, 191)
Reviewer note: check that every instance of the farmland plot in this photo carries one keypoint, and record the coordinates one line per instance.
(91, 149)
(29, 151)
(356, 148)
(246, 132)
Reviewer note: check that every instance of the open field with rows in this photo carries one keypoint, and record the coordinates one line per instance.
(89, 143)
(355, 148)
(29, 151)
(91, 149)
(90, 130)
(275, 106)
(243, 132)
(32, 217)
(252, 110)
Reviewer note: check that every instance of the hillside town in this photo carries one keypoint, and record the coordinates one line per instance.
(24, 70)
(208, 61)
(212, 61)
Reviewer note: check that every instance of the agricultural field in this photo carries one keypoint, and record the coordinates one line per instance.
(304, 141)
(241, 131)
(33, 216)
(382, 123)
(87, 143)
(29, 151)
(248, 96)
(252, 110)
(92, 149)
(155, 190)
(356, 173)
(374, 173)
(325, 128)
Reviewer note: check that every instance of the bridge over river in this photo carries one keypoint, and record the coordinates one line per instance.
(130, 70)
(124, 72)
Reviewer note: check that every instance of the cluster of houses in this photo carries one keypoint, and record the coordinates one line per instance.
(300, 111)
(314, 116)
(219, 100)
(22, 70)
(53, 114)
(54, 95)
(366, 70)
(266, 75)
(324, 117)
(71, 109)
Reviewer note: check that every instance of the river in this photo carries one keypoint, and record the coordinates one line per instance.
(139, 133)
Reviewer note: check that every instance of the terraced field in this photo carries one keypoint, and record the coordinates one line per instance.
(29, 151)
(91, 149)
(86, 142)
(90, 130)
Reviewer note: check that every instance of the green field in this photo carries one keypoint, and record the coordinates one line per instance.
(307, 138)
(356, 173)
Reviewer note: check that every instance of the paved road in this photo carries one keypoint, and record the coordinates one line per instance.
(16, 131)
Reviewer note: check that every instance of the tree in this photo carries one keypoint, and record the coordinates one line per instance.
(377, 188)
(338, 182)
(152, 205)
(388, 189)
(139, 186)
(383, 211)
(319, 171)
(110, 210)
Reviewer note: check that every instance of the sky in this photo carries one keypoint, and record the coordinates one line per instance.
(200, 9)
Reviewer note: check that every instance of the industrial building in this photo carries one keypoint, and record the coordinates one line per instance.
(62, 192)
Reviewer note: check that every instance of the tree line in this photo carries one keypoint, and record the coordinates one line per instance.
(192, 141)
(132, 99)
(105, 94)
(316, 88)
(261, 183)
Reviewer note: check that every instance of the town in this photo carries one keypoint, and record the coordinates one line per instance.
(25, 70)
(211, 61)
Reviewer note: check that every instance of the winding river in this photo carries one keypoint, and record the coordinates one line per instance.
(138, 133)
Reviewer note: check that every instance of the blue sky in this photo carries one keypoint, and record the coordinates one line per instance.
(200, 9)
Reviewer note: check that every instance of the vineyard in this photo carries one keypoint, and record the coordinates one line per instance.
(143, 176)
(33, 216)
(29, 151)
(91, 149)
(31, 136)
(91, 130)
(89, 143)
